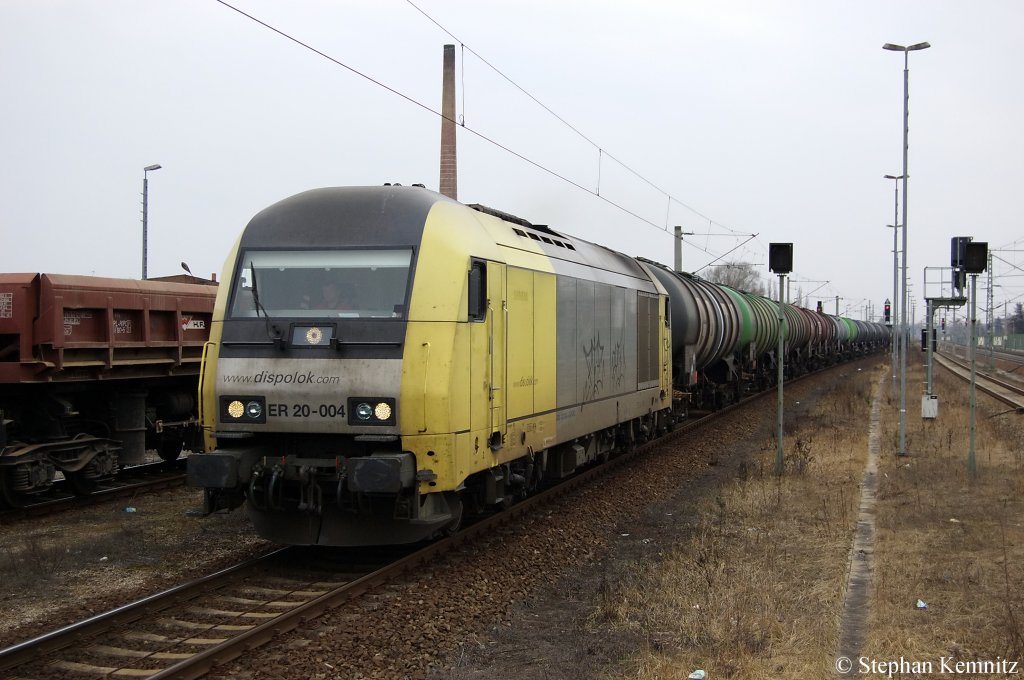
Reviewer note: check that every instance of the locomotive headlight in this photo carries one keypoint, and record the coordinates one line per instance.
(372, 411)
(253, 409)
(239, 409)
(382, 411)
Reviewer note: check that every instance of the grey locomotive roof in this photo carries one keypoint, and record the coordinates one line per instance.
(396, 215)
(343, 216)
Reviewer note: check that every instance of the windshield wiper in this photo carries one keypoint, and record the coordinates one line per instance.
(274, 334)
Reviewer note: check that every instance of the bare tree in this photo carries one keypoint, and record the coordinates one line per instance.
(740, 275)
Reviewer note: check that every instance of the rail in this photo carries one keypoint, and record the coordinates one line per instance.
(1008, 393)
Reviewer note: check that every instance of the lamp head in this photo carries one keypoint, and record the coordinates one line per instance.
(900, 48)
(150, 168)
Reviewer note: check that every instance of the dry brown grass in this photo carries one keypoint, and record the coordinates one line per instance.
(757, 590)
(955, 543)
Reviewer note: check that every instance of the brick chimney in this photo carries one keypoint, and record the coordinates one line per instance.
(449, 172)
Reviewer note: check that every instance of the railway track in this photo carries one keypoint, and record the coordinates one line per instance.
(188, 630)
(1009, 393)
(1013, 359)
(184, 631)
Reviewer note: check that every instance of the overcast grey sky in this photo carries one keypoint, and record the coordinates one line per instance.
(774, 118)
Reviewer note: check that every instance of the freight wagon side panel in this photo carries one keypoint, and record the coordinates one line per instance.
(19, 302)
(61, 328)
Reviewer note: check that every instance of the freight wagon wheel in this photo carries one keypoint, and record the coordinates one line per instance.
(9, 498)
(82, 485)
(169, 447)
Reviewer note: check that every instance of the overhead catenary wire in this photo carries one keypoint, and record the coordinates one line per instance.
(602, 152)
(522, 157)
(469, 129)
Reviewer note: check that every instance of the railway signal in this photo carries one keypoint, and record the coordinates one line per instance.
(780, 261)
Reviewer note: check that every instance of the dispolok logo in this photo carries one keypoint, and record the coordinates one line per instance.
(294, 378)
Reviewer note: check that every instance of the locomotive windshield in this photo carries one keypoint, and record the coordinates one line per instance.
(319, 283)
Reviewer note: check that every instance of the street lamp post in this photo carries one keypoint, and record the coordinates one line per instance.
(904, 340)
(895, 303)
(145, 215)
(895, 226)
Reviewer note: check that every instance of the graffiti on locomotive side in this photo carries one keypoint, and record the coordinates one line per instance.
(594, 354)
(618, 366)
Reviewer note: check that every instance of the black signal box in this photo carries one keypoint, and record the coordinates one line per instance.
(780, 257)
(958, 250)
(924, 340)
(976, 257)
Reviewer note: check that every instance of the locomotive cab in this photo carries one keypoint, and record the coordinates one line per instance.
(301, 385)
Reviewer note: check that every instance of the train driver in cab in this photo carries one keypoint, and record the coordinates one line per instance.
(334, 297)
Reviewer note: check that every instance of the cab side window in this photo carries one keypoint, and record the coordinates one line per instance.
(477, 290)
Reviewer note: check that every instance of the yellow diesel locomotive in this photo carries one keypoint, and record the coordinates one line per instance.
(383, 360)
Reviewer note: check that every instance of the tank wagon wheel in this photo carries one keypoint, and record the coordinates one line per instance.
(170, 446)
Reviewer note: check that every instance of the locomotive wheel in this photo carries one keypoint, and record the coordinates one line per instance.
(453, 527)
(169, 447)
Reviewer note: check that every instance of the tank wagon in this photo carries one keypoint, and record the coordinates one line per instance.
(725, 341)
(471, 357)
(93, 371)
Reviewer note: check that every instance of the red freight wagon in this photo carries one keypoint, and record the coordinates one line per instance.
(92, 372)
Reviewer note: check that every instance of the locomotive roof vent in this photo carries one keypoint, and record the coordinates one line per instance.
(507, 217)
(545, 239)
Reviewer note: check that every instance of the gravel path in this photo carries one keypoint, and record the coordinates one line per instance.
(858, 588)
